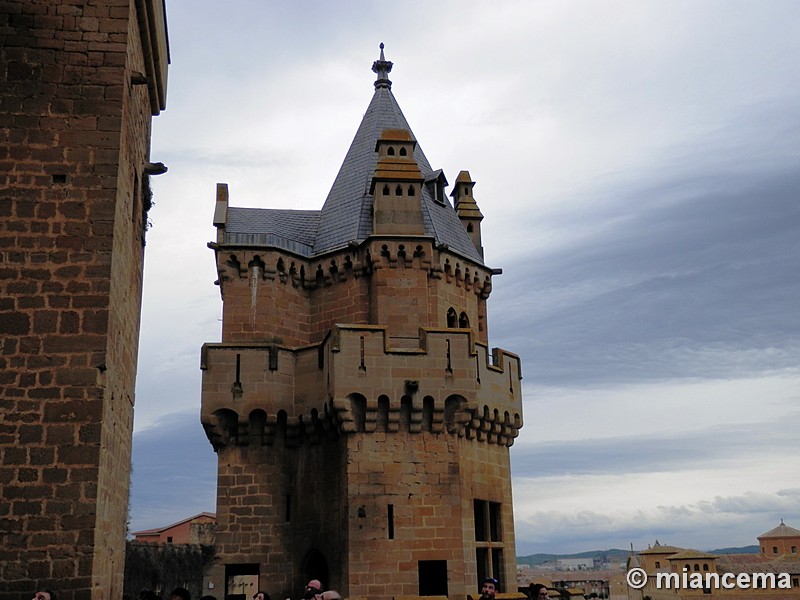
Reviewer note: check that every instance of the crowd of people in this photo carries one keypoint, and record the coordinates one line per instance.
(313, 591)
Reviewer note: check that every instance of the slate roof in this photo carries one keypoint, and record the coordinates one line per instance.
(291, 230)
(346, 215)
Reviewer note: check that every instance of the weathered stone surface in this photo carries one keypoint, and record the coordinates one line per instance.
(71, 161)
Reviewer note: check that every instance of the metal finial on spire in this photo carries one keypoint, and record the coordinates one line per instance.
(382, 67)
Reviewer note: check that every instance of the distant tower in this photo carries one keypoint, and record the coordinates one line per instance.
(80, 83)
(362, 425)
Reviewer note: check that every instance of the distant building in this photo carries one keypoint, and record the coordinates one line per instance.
(778, 555)
(783, 540)
(198, 529)
(575, 564)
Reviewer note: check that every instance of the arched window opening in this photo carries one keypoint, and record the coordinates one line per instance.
(390, 151)
(383, 413)
(427, 414)
(469, 227)
(411, 190)
(405, 413)
(463, 320)
(403, 152)
(452, 318)
(398, 191)
(385, 190)
(358, 408)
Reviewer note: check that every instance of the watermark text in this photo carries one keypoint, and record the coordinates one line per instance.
(688, 580)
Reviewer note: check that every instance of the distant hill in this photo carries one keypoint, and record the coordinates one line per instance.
(754, 549)
(614, 555)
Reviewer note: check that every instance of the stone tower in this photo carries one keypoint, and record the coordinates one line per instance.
(361, 423)
(81, 81)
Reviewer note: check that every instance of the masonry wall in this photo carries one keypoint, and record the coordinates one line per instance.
(74, 139)
(276, 505)
(417, 475)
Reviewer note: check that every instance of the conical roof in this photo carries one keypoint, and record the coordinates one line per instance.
(347, 213)
(781, 530)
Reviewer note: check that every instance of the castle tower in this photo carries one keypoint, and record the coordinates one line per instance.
(80, 84)
(361, 422)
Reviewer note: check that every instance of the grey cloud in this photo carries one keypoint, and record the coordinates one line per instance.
(649, 453)
(730, 521)
(174, 472)
(669, 276)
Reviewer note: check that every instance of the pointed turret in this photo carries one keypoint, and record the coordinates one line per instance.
(467, 209)
(347, 215)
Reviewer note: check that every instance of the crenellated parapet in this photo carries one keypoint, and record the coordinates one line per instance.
(438, 262)
(361, 380)
(271, 265)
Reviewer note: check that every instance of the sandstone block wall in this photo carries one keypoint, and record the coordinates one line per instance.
(74, 141)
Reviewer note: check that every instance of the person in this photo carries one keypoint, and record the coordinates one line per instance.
(489, 588)
(180, 593)
(44, 594)
(539, 592)
(313, 589)
(259, 595)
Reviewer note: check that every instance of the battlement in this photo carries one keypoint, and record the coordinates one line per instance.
(359, 379)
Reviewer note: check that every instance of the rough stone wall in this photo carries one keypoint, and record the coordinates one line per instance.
(74, 139)
(419, 476)
(161, 568)
(275, 504)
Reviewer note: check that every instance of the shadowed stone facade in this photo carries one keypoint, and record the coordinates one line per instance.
(361, 422)
(80, 83)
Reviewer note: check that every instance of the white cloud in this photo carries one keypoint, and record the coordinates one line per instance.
(637, 166)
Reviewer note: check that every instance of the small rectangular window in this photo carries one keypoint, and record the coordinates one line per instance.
(494, 521)
(480, 521)
(432, 577)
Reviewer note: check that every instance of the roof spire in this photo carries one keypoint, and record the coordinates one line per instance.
(382, 67)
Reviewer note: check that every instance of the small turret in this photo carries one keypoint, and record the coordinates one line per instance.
(467, 209)
(397, 185)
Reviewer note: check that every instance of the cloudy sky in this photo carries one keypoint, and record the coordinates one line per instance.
(638, 165)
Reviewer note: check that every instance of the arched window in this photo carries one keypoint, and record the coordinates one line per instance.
(403, 152)
(411, 190)
(452, 318)
(469, 227)
(398, 191)
(390, 151)
(385, 190)
(463, 320)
